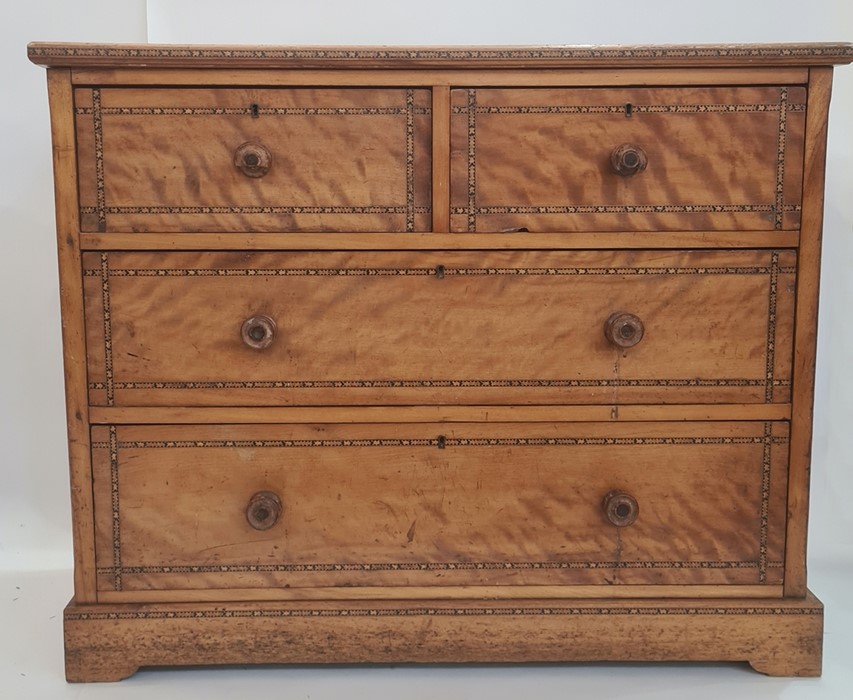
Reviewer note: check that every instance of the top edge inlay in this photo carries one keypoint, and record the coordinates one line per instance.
(71, 55)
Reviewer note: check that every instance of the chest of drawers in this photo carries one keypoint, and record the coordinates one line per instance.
(439, 355)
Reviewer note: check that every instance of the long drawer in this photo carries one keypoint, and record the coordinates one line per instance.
(484, 327)
(220, 506)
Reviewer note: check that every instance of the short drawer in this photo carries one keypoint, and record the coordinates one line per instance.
(294, 159)
(496, 327)
(627, 159)
(283, 506)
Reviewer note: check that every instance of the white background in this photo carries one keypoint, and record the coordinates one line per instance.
(35, 546)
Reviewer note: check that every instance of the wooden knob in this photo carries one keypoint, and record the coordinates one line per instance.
(621, 509)
(263, 510)
(624, 330)
(628, 159)
(258, 332)
(253, 159)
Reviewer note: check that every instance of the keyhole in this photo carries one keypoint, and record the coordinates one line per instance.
(255, 110)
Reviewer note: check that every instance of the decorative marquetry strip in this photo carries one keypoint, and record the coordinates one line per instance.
(781, 137)
(448, 442)
(409, 109)
(472, 161)
(114, 498)
(370, 209)
(104, 274)
(431, 271)
(623, 208)
(88, 54)
(98, 125)
(410, 160)
(440, 383)
(424, 566)
(456, 611)
(770, 350)
(765, 502)
(635, 108)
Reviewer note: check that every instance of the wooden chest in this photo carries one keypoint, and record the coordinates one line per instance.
(439, 354)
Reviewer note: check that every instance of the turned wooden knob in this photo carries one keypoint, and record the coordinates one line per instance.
(258, 332)
(624, 330)
(621, 509)
(628, 159)
(253, 159)
(263, 510)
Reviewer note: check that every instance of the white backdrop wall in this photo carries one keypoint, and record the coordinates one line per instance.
(34, 513)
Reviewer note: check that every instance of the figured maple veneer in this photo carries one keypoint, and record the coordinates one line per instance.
(439, 327)
(718, 158)
(341, 159)
(112, 641)
(440, 505)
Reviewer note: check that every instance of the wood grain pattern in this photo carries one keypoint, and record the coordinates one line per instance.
(386, 593)
(440, 159)
(436, 77)
(435, 414)
(73, 335)
(110, 642)
(574, 240)
(433, 504)
(387, 328)
(805, 341)
(718, 159)
(342, 159)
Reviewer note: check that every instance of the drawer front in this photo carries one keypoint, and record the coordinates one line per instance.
(497, 327)
(694, 159)
(438, 504)
(317, 159)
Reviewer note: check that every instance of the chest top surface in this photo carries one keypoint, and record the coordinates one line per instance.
(672, 55)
